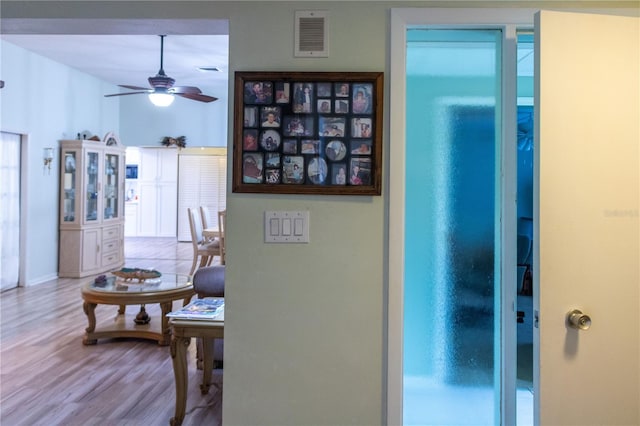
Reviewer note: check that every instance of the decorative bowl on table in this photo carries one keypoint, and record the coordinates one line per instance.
(129, 274)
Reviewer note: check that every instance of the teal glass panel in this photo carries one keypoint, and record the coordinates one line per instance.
(450, 336)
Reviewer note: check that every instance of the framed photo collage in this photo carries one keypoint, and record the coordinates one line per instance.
(308, 133)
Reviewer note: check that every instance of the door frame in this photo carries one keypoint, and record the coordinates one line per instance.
(509, 21)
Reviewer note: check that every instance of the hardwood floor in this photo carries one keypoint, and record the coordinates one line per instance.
(48, 377)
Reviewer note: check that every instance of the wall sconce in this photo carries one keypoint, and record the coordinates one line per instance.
(47, 156)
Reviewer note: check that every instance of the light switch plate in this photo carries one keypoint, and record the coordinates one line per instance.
(286, 226)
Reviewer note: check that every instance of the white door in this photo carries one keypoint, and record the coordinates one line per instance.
(587, 234)
(158, 189)
(167, 211)
(9, 210)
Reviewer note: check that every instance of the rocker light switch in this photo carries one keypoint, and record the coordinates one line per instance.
(286, 227)
(274, 226)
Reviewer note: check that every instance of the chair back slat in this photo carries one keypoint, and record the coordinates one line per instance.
(222, 219)
(196, 225)
(202, 250)
(206, 217)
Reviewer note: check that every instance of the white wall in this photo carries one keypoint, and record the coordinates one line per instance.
(48, 102)
(305, 323)
(203, 124)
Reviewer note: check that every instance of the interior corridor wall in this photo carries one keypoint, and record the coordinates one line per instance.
(46, 113)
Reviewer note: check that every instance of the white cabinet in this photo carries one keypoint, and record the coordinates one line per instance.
(169, 181)
(91, 240)
(91, 207)
(158, 192)
(131, 219)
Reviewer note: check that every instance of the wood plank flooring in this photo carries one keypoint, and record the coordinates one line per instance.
(48, 377)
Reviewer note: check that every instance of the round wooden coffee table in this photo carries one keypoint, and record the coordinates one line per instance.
(116, 291)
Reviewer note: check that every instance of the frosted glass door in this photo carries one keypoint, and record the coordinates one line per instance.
(450, 375)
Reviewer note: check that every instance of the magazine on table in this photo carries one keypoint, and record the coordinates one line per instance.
(208, 308)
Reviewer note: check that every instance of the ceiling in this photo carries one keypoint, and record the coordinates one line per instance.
(128, 51)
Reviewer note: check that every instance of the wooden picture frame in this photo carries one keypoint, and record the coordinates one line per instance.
(308, 133)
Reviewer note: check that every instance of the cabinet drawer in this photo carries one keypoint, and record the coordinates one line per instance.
(110, 232)
(110, 246)
(109, 260)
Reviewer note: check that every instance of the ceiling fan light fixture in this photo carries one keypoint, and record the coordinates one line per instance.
(161, 99)
(162, 89)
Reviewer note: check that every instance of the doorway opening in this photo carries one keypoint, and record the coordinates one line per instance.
(451, 372)
(524, 301)
(10, 238)
(453, 359)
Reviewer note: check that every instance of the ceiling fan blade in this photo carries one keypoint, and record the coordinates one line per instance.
(129, 93)
(162, 83)
(197, 97)
(184, 89)
(133, 87)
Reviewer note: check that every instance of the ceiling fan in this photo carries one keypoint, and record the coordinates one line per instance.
(162, 88)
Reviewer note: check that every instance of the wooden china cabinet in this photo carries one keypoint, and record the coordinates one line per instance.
(91, 206)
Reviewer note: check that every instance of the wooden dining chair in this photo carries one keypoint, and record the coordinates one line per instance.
(203, 250)
(208, 231)
(222, 223)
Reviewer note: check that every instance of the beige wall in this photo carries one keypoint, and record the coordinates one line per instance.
(305, 324)
(308, 346)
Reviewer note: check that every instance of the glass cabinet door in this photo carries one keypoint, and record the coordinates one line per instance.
(111, 169)
(91, 209)
(69, 187)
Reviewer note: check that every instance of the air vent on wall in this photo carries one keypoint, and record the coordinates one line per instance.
(311, 35)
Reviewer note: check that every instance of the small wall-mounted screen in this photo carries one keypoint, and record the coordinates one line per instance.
(132, 171)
